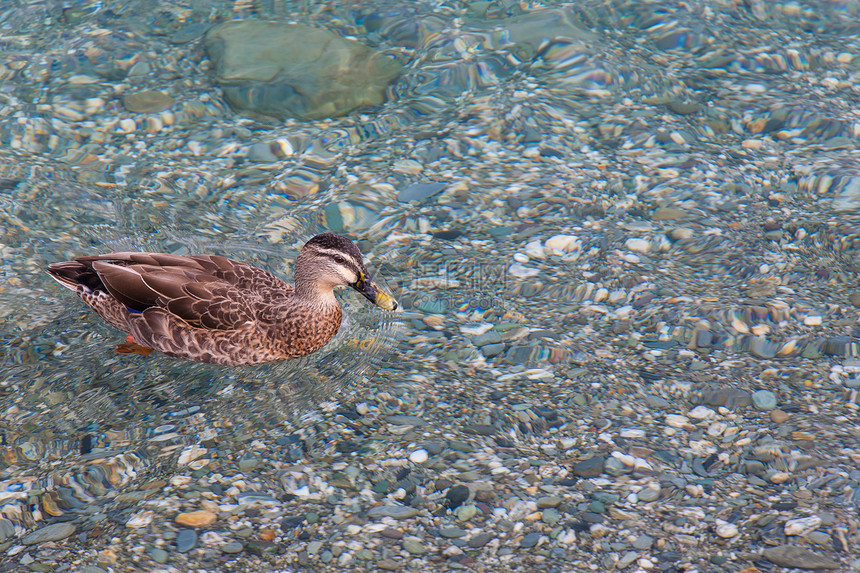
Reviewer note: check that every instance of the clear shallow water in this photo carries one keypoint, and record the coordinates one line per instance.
(719, 138)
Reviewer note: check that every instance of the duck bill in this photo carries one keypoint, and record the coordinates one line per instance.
(374, 294)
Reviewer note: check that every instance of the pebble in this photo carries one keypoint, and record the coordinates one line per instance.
(148, 101)
(779, 416)
(232, 547)
(548, 501)
(764, 400)
(702, 413)
(420, 191)
(802, 525)
(638, 245)
(200, 518)
(643, 542)
(418, 456)
(562, 244)
(478, 540)
(186, 540)
(797, 557)
(551, 516)
(456, 495)
(466, 512)
(725, 529)
(127, 125)
(530, 539)
(414, 546)
(53, 532)
(158, 555)
(650, 493)
(7, 529)
(677, 421)
(387, 564)
(393, 511)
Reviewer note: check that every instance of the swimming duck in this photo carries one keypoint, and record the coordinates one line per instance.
(210, 308)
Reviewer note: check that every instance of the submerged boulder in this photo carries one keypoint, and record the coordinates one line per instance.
(293, 70)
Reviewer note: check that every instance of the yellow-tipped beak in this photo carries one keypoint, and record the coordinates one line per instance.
(374, 294)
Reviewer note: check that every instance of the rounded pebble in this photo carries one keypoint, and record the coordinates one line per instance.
(764, 400)
(418, 456)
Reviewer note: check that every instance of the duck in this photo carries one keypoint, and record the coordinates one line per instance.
(209, 308)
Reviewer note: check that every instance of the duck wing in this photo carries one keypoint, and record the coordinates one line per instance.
(183, 286)
(242, 275)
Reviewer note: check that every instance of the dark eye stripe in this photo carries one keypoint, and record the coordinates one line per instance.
(333, 253)
(345, 260)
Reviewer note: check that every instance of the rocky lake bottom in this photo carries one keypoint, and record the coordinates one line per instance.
(625, 237)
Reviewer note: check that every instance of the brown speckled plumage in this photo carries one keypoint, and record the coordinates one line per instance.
(210, 308)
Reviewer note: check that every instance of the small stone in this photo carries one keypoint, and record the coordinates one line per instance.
(638, 245)
(388, 565)
(200, 518)
(764, 400)
(106, 558)
(530, 539)
(702, 413)
(819, 538)
(548, 501)
(550, 516)
(420, 191)
(314, 547)
(456, 496)
(452, 532)
(683, 107)
(186, 540)
(778, 416)
(777, 477)
(643, 542)
(7, 529)
(562, 244)
(802, 525)
(725, 529)
(148, 101)
(466, 512)
(53, 532)
(796, 557)
(491, 337)
(270, 151)
(615, 467)
(393, 511)
(414, 546)
(650, 493)
(479, 540)
(677, 421)
(391, 533)
(126, 125)
(248, 463)
(232, 547)
(158, 555)
(261, 548)
(491, 350)
(405, 420)
(418, 456)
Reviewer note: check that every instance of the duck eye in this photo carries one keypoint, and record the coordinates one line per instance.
(339, 260)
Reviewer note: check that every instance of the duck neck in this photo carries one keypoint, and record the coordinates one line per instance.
(316, 295)
(312, 291)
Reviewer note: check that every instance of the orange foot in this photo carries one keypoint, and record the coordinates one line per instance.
(130, 347)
